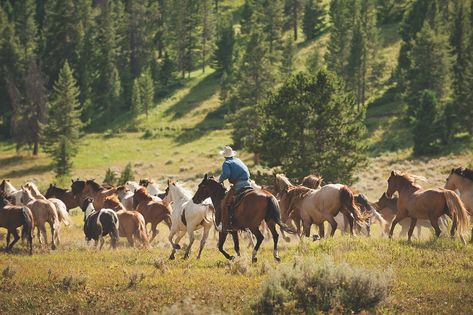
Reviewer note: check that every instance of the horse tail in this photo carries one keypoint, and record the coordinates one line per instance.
(348, 201)
(62, 214)
(140, 232)
(457, 210)
(28, 226)
(274, 213)
(114, 229)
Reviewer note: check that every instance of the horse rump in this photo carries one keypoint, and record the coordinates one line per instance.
(28, 225)
(140, 232)
(457, 211)
(109, 220)
(274, 214)
(348, 201)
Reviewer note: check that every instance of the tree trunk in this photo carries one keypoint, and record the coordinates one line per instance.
(35, 148)
(294, 18)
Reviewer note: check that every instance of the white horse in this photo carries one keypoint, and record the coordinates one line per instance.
(126, 197)
(153, 188)
(187, 217)
(133, 186)
(11, 191)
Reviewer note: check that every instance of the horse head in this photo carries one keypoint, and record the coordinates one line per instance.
(208, 188)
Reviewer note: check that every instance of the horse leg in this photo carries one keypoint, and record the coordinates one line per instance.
(435, 224)
(259, 240)
(53, 236)
(322, 230)
(236, 243)
(306, 227)
(205, 235)
(154, 231)
(348, 216)
(249, 236)
(174, 247)
(190, 231)
(8, 242)
(16, 238)
(454, 227)
(395, 221)
(333, 224)
(272, 228)
(411, 229)
(222, 236)
(130, 239)
(102, 241)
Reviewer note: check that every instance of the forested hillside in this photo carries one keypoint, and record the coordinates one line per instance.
(88, 85)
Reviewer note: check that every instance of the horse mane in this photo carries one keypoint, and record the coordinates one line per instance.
(4, 199)
(298, 192)
(410, 177)
(143, 192)
(113, 202)
(187, 194)
(32, 186)
(312, 181)
(464, 172)
(93, 184)
(282, 182)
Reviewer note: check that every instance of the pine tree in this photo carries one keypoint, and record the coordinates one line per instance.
(430, 68)
(62, 132)
(208, 24)
(247, 17)
(427, 125)
(310, 124)
(147, 90)
(136, 99)
(223, 54)
(126, 175)
(269, 15)
(313, 22)
(294, 8)
(287, 65)
(314, 62)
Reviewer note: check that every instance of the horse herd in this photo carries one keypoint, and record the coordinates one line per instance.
(127, 210)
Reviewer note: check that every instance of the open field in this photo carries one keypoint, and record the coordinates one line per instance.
(429, 276)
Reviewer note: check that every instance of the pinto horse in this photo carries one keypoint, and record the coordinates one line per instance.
(12, 217)
(98, 224)
(256, 206)
(461, 180)
(417, 203)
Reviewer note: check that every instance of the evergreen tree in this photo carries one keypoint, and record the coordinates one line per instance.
(61, 134)
(147, 91)
(287, 65)
(293, 8)
(430, 68)
(427, 125)
(126, 175)
(313, 22)
(136, 99)
(247, 17)
(224, 47)
(208, 31)
(269, 16)
(314, 62)
(310, 124)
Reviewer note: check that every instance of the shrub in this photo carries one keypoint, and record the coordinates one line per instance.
(8, 273)
(134, 279)
(307, 286)
(126, 175)
(73, 283)
(111, 177)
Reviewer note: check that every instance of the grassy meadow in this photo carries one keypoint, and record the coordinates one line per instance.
(180, 139)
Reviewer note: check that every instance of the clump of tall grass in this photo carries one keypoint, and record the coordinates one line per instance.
(311, 286)
(8, 272)
(188, 307)
(73, 283)
(134, 279)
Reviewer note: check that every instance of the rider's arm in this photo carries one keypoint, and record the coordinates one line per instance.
(225, 172)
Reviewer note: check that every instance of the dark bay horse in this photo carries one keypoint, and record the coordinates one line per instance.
(66, 196)
(256, 206)
(12, 217)
(417, 203)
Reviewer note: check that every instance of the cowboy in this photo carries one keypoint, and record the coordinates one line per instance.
(237, 174)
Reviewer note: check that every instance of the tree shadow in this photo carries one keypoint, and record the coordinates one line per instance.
(307, 43)
(36, 169)
(11, 160)
(214, 120)
(198, 94)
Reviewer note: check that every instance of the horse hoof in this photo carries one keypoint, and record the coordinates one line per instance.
(316, 237)
(278, 259)
(176, 246)
(254, 260)
(172, 257)
(231, 258)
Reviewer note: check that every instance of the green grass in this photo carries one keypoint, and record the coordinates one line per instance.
(429, 276)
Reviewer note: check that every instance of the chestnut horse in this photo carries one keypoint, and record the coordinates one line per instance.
(461, 180)
(153, 211)
(12, 217)
(417, 203)
(131, 223)
(256, 206)
(97, 192)
(66, 196)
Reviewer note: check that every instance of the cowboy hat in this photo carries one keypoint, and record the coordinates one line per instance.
(228, 152)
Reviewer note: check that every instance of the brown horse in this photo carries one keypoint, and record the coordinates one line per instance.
(256, 206)
(97, 192)
(312, 181)
(131, 223)
(66, 196)
(461, 180)
(153, 211)
(60, 206)
(417, 203)
(44, 211)
(12, 217)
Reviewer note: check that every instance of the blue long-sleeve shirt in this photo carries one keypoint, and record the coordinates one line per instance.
(234, 170)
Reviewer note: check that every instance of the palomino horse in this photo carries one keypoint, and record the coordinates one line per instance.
(126, 197)
(187, 216)
(66, 196)
(60, 206)
(12, 217)
(320, 205)
(417, 203)
(153, 211)
(387, 207)
(312, 181)
(11, 191)
(131, 223)
(44, 211)
(97, 192)
(461, 180)
(98, 224)
(256, 206)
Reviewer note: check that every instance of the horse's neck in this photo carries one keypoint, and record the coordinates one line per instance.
(464, 185)
(217, 198)
(9, 188)
(89, 211)
(408, 189)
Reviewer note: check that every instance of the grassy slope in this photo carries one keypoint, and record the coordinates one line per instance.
(188, 131)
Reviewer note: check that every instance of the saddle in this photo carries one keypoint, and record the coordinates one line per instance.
(239, 198)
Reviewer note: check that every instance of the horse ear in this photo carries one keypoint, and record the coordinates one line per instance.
(205, 176)
(72, 181)
(393, 173)
(169, 182)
